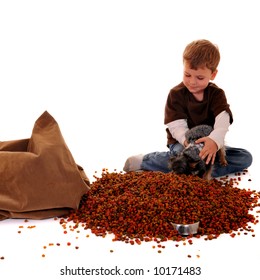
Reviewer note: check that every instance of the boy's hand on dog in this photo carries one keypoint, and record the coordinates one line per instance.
(208, 153)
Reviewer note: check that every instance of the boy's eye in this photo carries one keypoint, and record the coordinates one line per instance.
(200, 78)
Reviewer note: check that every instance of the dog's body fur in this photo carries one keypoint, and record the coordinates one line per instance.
(188, 161)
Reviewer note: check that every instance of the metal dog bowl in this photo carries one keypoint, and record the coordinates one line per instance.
(186, 229)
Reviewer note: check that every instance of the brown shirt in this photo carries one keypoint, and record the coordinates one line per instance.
(181, 104)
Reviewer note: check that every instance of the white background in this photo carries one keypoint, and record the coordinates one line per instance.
(103, 70)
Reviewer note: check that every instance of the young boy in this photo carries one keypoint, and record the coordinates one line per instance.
(196, 101)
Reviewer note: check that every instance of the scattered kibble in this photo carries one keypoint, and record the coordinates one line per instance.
(2, 258)
(30, 227)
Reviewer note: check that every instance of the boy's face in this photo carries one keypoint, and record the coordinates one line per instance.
(197, 80)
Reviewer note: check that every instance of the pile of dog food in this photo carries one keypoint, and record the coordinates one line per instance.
(142, 206)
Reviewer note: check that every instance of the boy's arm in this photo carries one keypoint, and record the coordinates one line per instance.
(222, 123)
(215, 140)
(178, 129)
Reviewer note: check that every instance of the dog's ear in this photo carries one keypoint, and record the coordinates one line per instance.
(179, 165)
(171, 161)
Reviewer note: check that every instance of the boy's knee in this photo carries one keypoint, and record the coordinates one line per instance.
(248, 158)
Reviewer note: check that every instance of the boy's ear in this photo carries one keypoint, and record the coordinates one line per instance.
(214, 74)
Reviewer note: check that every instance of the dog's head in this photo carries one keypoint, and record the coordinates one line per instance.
(183, 164)
(180, 165)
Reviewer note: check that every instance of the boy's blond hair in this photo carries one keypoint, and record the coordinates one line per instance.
(202, 53)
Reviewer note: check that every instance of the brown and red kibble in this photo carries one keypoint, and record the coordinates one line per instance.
(140, 206)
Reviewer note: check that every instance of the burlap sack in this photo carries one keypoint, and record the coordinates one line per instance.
(38, 176)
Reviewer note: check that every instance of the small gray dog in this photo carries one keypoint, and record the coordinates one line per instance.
(188, 161)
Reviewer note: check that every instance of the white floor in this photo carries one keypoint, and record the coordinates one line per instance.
(103, 70)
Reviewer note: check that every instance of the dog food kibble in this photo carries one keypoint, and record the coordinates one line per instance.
(140, 206)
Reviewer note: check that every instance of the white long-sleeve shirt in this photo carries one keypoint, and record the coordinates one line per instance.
(179, 127)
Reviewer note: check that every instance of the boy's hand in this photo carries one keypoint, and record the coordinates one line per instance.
(209, 150)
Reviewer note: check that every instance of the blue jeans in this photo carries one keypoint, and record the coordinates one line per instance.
(238, 159)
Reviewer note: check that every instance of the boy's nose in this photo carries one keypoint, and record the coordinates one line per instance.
(192, 82)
